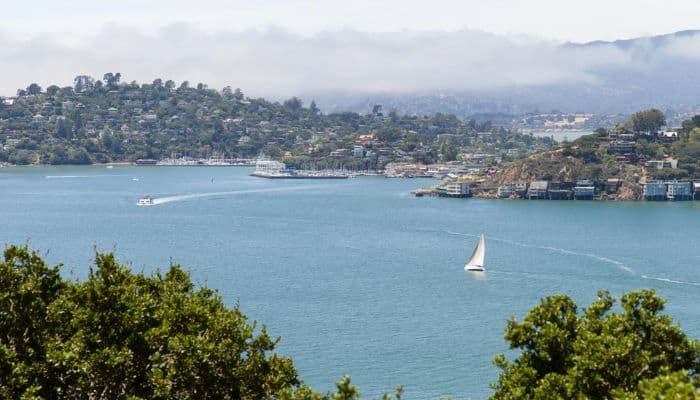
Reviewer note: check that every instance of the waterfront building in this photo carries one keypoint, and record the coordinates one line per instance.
(560, 190)
(559, 194)
(455, 189)
(269, 167)
(537, 190)
(520, 189)
(655, 191)
(612, 185)
(584, 190)
(679, 191)
(505, 191)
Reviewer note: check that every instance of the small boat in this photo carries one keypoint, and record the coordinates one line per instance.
(145, 201)
(135, 179)
(109, 166)
(476, 261)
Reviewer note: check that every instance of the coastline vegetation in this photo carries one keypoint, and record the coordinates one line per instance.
(99, 121)
(119, 334)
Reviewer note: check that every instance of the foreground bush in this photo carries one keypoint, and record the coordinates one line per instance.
(637, 353)
(119, 334)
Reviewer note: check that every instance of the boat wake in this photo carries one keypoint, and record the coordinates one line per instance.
(79, 176)
(183, 197)
(616, 263)
(667, 280)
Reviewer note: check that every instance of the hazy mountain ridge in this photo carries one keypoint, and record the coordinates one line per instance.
(658, 71)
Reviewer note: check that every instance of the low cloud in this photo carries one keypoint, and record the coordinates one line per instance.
(280, 64)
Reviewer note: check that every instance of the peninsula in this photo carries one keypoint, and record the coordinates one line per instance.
(637, 160)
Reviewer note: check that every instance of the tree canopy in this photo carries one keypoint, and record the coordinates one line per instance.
(598, 354)
(120, 334)
(648, 121)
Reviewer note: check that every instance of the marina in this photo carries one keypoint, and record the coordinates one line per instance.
(271, 169)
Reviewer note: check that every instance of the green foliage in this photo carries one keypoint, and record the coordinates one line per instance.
(668, 386)
(670, 173)
(695, 135)
(597, 354)
(120, 335)
(648, 121)
(696, 120)
(651, 151)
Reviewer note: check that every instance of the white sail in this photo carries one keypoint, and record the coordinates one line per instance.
(476, 261)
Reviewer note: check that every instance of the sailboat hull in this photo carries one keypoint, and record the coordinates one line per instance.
(474, 268)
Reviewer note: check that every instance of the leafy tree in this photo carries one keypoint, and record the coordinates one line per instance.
(120, 335)
(63, 128)
(594, 355)
(28, 288)
(696, 120)
(111, 79)
(294, 104)
(238, 94)
(52, 90)
(675, 385)
(649, 121)
(313, 108)
(227, 92)
(83, 83)
(33, 89)
(695, 135)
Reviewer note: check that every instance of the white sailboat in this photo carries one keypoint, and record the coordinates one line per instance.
(476, 262)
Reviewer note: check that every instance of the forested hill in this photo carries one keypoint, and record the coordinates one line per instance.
(108, 120)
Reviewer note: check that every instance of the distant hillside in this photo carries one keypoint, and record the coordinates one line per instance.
(111, 121)
(658, 71)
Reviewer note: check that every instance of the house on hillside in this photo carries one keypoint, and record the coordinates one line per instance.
(668, 136)
(622, 146)
(660, 164)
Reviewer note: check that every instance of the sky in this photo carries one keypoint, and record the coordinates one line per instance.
(275, 47)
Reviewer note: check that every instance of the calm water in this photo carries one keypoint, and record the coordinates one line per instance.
(358, 276)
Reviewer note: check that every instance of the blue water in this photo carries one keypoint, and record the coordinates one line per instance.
(358, 276)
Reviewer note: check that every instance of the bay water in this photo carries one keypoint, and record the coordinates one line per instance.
(358, 276)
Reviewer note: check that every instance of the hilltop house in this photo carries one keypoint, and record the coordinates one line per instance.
(660, 164)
